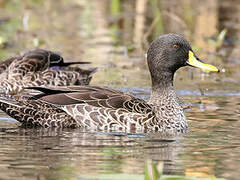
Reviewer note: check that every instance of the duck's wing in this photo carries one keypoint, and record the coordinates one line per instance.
(99, 107)
(94, 96)
(72, 76)
(80, 106)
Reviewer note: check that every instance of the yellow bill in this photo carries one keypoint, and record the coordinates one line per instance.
(194, 61)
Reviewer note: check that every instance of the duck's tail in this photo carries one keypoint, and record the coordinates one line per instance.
(12, 107)
(34, 113)
(78, 76)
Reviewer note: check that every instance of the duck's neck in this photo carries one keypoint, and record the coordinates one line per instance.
(162, 89)
(166, 105)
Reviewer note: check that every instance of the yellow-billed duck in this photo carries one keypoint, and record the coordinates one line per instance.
(101, 108)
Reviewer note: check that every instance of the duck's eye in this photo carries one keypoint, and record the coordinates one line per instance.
(175, 46)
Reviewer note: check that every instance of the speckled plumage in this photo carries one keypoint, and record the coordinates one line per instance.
(34, 69)
(97, 108)
(104, 109)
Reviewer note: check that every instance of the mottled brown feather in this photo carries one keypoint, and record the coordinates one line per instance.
(34, 68)
(108, 98)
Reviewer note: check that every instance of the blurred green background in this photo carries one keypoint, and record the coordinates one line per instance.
(115, 34)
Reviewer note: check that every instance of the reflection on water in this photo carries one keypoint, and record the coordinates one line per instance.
(104, 33)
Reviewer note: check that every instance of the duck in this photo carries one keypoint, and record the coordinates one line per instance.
(104, 109)
(41, 67)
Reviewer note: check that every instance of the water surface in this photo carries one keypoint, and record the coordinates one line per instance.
(211, 148)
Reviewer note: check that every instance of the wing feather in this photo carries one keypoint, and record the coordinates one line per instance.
(94, 96)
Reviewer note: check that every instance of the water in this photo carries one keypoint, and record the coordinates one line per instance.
(212, 146)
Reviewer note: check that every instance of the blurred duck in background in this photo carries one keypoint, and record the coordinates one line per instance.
(40, 68)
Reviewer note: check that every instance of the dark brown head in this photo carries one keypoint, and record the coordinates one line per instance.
(167, 54)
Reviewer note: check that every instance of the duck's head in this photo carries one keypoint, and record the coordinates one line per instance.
(170, 52)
